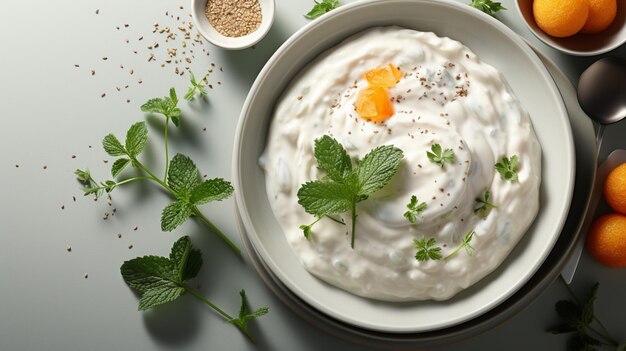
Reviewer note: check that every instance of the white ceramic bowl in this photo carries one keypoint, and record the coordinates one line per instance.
(214, 37)
(579, 44)
(496, 45)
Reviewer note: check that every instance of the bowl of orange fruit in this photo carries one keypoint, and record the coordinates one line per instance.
(576, 27)
(606, 240)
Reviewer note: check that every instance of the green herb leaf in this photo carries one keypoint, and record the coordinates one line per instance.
(487, 6)
(332, 158)
(112, 146)
(325, 197)
(118, 166)
(83, 175)
(464, 245)
(187, 259)
(508, 168)
(321, 8)
(377, 168)
(216, 189)
(415, 209)
(166, 106)
(439, 156)
(161, 279)
(483, 206)
(136, 139)
(427, 249)
(175, 214)
(306, 230)
(346, 186)
(195, 86)
(183, 176)
(243, 318)
(155, 277)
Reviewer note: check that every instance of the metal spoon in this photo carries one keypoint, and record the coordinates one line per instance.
(602, 95)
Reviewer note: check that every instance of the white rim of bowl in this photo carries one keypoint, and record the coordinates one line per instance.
(249, 228)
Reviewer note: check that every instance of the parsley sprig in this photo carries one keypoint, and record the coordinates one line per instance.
(181, 177)
(428, 249)
(439, 156)
(579, 318)
(483, 205)
(196, 87)
(508, 168)
(321, 8)
(487, 6)
(344, 185)
(164, 279)
(414, 209)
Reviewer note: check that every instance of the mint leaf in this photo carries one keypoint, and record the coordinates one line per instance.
(183, 176)
(187, 259)
(159, 279)
(321, 8)
(320, 198)
(243, 318)
(166, 106)
(83, 175)
(439, 156)
(332, 158)
(508, 168)
(190, 95)
(136, 139)
(175, 214)
(377, 168)
(216, 189)
(118, 166)
(156, 277)
(112, 146)
(487, 6)
(427, 249)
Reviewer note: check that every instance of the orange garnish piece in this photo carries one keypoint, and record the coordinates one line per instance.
(384, 77)
(373, 104)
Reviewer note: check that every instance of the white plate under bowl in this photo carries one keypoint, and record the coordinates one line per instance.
(494, 43)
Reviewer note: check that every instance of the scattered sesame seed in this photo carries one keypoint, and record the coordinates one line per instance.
(130, 246)
(68, 248)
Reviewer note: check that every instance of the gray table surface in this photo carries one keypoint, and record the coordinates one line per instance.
(53, 121)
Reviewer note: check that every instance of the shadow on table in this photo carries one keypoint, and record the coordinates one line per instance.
(174, 324)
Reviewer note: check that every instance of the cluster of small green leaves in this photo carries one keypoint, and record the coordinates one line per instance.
(428, 249)
(196, 87)
(439, 156)
(483, 205)
(487, 6)
(321, 8)
(579, 319)
(414, 209)
(164, 279)
(181, 177)
(508, 168)
(344, 185)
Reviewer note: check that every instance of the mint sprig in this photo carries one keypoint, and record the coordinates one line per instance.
(181, 177)
(508, 168)
(579, 318)
(414, 209)
(196, 87)
(321, 8)
(164, 279)
(439, 156)
(487, 6)
(346, 185)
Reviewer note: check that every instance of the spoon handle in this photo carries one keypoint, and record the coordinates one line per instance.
(572, 263)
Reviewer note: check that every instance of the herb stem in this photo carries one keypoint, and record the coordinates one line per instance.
(196, 212)
(353, 222)
(218, 310)
(463, 244)
(167, 155)
(122, 182)
(216, 230)
(334, 220)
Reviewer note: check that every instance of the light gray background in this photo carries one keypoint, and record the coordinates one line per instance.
(53, 110)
